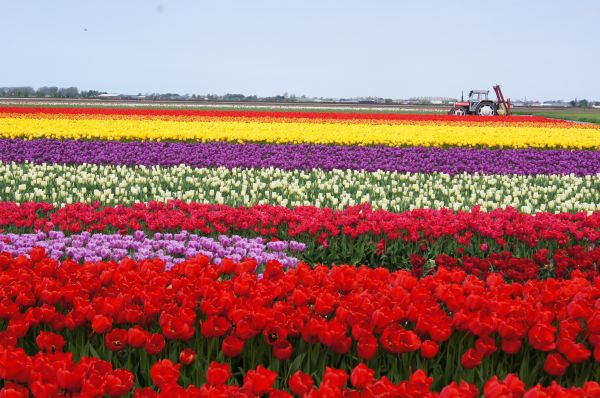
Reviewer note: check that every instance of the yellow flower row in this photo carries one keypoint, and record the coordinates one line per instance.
(432, 134)
(463, 122)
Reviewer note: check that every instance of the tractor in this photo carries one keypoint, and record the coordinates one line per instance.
(480, 104)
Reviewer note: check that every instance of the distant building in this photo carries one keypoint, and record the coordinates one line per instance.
(133, 97)
(555, 104)
(432, 100)
(111, 96)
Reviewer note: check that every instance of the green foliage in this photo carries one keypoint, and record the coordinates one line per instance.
(586, 115)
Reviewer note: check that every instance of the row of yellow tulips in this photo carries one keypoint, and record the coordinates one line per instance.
(341, 133)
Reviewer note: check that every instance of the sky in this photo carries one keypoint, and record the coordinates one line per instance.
(538, 49)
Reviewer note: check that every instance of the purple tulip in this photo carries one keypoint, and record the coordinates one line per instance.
(172, 248)
(304, 157)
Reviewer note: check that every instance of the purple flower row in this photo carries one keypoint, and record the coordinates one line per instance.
(172, 248)
(304, 157)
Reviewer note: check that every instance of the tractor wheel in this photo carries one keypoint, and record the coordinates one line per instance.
(460, 111)
(486, 109)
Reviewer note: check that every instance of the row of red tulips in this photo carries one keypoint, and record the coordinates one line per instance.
(541, 265)
(452, 325)
(331, 116)
(53, 373)
(356, 235)
(324, 223)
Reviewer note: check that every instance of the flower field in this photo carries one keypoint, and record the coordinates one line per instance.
(210, 253)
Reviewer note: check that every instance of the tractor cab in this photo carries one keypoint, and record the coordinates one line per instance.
(476, 96)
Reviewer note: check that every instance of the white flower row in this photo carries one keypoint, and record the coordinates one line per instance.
(61, 184)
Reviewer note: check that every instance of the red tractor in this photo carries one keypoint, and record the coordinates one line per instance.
(479, 104)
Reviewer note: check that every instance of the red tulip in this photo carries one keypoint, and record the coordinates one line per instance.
(511, 346)
(362, 376)
(187, 356)
(335, 378)
(164, 373)
(259, 381)
(37, 254)
(215, 327)
(471, 358)
(283, 350)
(541, 337)
(366, 347)
(101, 324)
(300, 383)
(50, 342)
(119, 383)
(429, 349)
(218, 374)
(555, 364)
(232, 346)
(462, 389)
(12, 390)
(137, 337)
(155, 344)
(116, 340)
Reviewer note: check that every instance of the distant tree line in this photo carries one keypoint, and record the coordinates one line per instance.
(581, 103)
(47, 92)
(74, 93)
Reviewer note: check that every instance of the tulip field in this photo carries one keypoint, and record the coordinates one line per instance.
(255, 253)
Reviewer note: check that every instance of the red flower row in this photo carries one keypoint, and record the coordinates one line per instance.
(362, 380)
(372, 314)
(518, 245)
(277, 115)
(542, 264)
(422, 225)
(53, 374)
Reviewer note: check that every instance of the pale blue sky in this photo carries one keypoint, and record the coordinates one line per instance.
(540, 49)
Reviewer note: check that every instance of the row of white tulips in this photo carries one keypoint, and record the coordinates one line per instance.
(111, 185)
